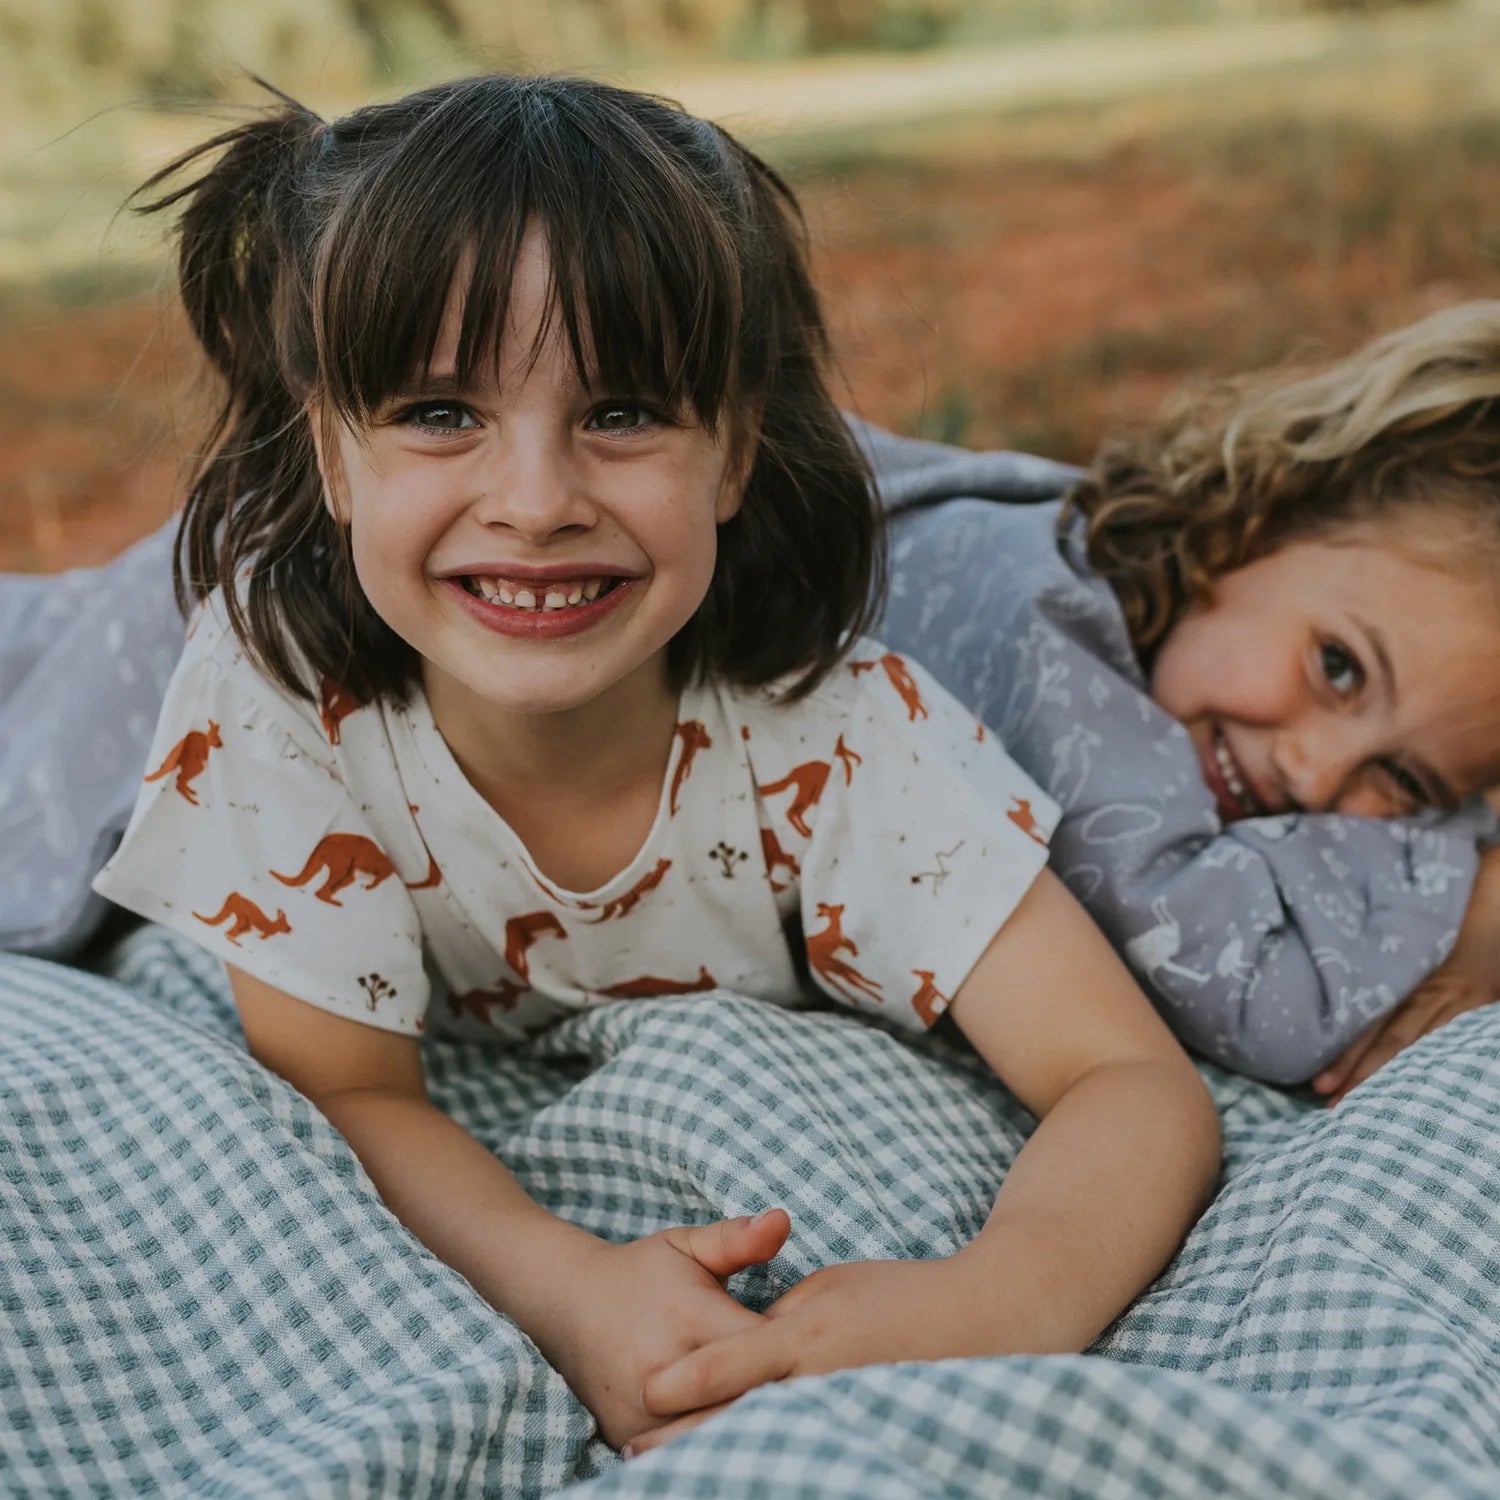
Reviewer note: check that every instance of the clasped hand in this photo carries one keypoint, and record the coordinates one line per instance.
(635, 1308)
(860, 1313)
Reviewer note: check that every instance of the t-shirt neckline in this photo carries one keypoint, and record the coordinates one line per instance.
(474, 810)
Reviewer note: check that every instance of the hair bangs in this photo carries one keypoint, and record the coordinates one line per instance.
(646, 276)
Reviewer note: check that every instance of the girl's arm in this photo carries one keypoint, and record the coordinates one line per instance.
(602, 1314)
(1124, 1161)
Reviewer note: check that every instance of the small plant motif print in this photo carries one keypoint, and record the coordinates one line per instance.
(728, 857)
(376, 989)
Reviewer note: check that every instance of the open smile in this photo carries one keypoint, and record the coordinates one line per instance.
(538, 609)
(1228, 781)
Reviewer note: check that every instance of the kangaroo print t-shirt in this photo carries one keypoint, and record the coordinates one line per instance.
(868, 841)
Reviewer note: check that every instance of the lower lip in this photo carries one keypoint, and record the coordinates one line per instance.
(539, 624)
(1231, 809)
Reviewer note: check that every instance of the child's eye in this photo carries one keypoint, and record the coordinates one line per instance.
(1341, 669)
(1408, 786)
(438, 416)
(622, 416)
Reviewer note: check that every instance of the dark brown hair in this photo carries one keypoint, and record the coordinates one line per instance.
(315, 263)
(1405, 428)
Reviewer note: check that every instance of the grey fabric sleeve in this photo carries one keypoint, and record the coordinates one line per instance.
(1268, 944)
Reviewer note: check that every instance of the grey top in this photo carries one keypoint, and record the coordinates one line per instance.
(1269, 943)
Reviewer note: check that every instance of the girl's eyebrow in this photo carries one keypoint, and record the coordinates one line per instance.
(1382, 656)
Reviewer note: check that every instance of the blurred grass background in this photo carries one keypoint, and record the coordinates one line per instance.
(1032, 220)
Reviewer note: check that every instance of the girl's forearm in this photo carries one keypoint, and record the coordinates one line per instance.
(1095, 1205)
(461, 1202)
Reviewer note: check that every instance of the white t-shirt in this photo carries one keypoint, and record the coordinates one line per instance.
(336, 851)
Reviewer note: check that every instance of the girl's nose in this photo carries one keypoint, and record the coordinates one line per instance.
(1317, 764)
(531, 487)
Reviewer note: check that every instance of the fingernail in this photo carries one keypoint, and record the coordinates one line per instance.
(627, 1451)
(763, 1215)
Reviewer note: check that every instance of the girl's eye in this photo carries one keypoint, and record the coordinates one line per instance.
(438, 416)
(1341, 670)
(1408, 786)
(621, 416)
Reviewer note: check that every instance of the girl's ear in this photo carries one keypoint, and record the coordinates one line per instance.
(326, 455)
(744, 445)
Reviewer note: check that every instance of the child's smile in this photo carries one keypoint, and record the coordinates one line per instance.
(541, 605)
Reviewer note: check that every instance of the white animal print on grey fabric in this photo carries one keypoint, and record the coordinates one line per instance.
(84, 661)
(1268, 944)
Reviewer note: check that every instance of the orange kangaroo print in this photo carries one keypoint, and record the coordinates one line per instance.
(694, 738)
(245, 916)
(337, 704)
(777, 859)
(929, 1002)
(479, 1003)
(901, 679)
(521, 933)
(648, 988)
(188, 758)
(339, 857)
(622, 906)
(823, 949)
(807, 782)
(1024, 819)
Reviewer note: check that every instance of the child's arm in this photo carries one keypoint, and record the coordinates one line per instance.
(602, 1314)
(1468, 979)
(1123, 1162)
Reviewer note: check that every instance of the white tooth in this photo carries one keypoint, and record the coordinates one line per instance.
(525, 599)
(575, 596)
(486, 588)
(505, 595)
(591, 589)
(555, 599)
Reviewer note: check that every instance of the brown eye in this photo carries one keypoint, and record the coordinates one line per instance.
(438, 416)
(1408, 787)
(621, 416)
(1341, 669)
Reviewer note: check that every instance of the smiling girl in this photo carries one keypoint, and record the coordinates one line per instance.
(530, 557)
(1261, 675)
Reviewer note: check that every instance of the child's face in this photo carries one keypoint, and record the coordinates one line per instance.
(538, 545)
(1341, 676)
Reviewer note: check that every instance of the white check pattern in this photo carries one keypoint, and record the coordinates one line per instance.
(201, 1295)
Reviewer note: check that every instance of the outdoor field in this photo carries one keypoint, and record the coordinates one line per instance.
(1025, 244)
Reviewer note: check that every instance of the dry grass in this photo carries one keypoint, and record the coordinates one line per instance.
(1031, 282)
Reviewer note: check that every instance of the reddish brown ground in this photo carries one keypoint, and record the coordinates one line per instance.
(1032, 305)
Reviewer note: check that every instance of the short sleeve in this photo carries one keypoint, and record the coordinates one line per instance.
(925, 839)
(245, 839)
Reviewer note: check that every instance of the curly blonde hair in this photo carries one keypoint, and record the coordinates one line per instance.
(1236, 470)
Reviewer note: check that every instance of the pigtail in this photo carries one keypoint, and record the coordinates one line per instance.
(804, 559)
(243, 247)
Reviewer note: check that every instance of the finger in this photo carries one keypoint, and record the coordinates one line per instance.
(732, 1244)
(718, 1372)
(659, 1435)
(1407, 1028)
(1332, 1078)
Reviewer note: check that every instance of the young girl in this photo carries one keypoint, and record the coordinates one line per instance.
(531, 554)
(1261, 675)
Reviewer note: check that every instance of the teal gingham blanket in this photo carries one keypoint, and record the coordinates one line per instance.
(201, 1294)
